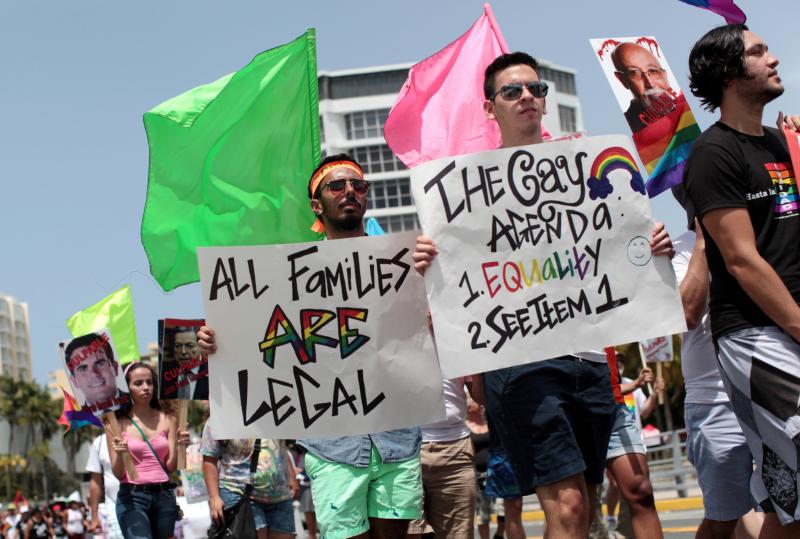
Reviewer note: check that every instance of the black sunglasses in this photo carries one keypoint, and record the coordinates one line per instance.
(513, 90)
(337, 187)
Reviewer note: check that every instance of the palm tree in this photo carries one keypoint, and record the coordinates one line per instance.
(29, 392)
(73, 441)
(42, 417)
(12, 409)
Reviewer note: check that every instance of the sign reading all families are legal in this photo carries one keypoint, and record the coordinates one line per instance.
(322, 339)
(544, 250)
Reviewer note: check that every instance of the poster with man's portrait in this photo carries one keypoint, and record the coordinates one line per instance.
(655, 108)
(183, 370)
(96, 377)
(640, 77)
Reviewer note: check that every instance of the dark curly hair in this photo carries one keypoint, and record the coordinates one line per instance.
(502, 62)
(717, 59)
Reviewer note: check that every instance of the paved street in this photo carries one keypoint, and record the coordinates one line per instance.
(677, 524)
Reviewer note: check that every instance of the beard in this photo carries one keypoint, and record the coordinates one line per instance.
(349, 222)
(759, 91)
(346, 222)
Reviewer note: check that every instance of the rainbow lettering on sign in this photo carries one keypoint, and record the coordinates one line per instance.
(607, 161)
(305, 341)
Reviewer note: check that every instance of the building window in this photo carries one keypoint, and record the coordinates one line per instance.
(365, 124)
(379, 158)
(380, 83)
(389, 194)
(398, 223)
(565, 82)
(566, 116)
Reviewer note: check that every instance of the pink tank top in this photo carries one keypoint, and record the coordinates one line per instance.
(147, 467)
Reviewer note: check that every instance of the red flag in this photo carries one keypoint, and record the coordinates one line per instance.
(20, 501)
(793, 141)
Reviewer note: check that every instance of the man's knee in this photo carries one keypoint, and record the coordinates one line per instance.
(385, 528)
(572, 507)
(641, 492)
(716, 529)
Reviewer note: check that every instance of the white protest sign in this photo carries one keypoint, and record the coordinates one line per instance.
(322, 339)
(658, 350)
(543, 250)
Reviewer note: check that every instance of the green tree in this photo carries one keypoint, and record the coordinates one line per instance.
(41, 416)
(73, 441)
(12, 409)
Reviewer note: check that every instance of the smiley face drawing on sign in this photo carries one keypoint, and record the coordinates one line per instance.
(639, 251)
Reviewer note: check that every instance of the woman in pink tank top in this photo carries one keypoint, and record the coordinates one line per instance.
(146, 506)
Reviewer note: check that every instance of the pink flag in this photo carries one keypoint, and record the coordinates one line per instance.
(439, 111)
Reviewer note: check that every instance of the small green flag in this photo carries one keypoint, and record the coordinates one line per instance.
(230, 161)
(114, 312)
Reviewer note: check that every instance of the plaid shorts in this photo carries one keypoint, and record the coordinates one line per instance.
(760, 368)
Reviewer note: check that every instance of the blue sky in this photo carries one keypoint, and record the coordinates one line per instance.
(78, 75)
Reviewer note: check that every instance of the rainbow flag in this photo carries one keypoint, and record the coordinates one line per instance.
(664, 146)
(732, 13)
(72, 417)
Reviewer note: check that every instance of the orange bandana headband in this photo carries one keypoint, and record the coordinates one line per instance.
(316, 179)
(321, 173)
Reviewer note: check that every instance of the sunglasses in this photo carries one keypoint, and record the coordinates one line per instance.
(513, 90)
(337, 187)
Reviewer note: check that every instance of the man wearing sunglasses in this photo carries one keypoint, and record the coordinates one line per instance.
(369, 485)
(554, 417)
(338, 193)
(639, 71)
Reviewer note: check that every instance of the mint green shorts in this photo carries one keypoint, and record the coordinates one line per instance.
(346, 497)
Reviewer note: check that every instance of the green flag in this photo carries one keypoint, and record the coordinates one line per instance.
(114, 312)
(230, 162)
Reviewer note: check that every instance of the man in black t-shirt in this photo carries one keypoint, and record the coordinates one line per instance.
(740, 181)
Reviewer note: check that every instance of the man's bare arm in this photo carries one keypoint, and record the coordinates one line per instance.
(732, 231)
(694, 286)
(96, 493)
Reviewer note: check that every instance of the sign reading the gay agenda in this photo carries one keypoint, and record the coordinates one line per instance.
(321, 339)
(543, 250)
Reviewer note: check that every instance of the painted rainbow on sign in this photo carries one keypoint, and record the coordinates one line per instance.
(613, 158)
(664, 147)
(610, 159)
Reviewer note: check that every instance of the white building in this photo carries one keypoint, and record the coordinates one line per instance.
(15, 340)
(354, 104)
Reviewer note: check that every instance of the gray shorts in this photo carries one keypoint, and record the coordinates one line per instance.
(717, 448)
(626, 436)
(306, 501)
(760, 368)
(483, 508)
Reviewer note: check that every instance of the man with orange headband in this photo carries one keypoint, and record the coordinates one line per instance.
(369, 485)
